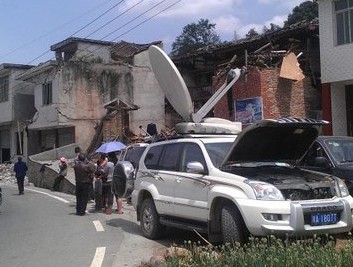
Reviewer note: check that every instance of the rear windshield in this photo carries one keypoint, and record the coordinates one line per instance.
(217, 152)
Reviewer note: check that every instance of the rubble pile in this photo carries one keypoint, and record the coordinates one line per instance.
(7, 174)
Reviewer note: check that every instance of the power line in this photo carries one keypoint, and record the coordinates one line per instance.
(144, 21)
(107, 11)
(134, 19)
(115, 18)
(129, 30)
(55, 29)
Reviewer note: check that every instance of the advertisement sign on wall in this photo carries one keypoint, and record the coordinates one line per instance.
(248, 110)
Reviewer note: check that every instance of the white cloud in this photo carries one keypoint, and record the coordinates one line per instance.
(278, 20)
(227, 26)
(286, 3)
(184, 8)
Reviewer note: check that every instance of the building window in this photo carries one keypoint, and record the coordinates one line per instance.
(344, 21)
(4, 89)
(47, 93)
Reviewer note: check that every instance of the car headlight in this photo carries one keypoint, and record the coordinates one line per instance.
(342, 187)
(265, 191)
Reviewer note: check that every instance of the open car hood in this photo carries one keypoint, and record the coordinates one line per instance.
(282, 140)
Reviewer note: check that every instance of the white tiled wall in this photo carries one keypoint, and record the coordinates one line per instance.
(336, 61)
(338, 102)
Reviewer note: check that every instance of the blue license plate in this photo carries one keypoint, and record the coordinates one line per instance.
(324, 218)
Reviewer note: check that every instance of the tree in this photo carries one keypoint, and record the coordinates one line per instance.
(195, 36)
(251, 33)
(305, 11)
(273, 27)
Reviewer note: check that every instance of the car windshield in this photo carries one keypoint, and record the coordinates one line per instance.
(341, 149)
(217, 151)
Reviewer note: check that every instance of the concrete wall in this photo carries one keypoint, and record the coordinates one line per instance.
(49, 159)
(92, 52)
(15, 87)
(336, 60)
(15, 112)
(147, 94)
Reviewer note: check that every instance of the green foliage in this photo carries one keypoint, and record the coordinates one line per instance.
(268, 252)
(194, 36)
(273, 27)
(305, 11)
(251, 33)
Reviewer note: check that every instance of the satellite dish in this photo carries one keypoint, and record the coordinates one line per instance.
(177, 93)
(171, 82)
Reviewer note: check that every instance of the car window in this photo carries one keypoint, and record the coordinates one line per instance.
(217, 152)
(341, 150)
(152, 157)
(134, 155)
(170, 158)
(192, 152)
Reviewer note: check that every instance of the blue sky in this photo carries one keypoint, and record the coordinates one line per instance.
(29, 28)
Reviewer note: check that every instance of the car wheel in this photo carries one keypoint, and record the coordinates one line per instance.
(149, 220)
(232, 225)
(123, 179)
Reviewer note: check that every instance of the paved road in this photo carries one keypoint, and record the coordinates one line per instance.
(40, 228)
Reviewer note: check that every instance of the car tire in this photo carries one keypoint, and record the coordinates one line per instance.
(232, 225)
(123, 179)
(149, 220)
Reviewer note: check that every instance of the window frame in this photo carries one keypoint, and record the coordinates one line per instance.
(4, 89)
(47, 93)
(346, 12)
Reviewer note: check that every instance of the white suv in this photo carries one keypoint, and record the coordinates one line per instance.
(230, 186)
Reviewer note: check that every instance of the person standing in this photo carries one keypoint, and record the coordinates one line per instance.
(20, 168)
(61, 175)
(107, 187)
(84, 178)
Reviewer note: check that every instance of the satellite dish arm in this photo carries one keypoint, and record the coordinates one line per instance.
(232, 76)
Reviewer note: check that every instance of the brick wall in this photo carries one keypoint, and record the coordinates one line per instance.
(281, 97)
(112, 127)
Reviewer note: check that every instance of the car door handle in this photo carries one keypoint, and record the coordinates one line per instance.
(178, 180)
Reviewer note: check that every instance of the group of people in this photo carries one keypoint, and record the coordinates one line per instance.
(98, 179)
(104, 192)
(92, 180)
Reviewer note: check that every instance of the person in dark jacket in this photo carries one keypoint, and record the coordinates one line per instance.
(20, 168)
(84, 178)
(62, 173)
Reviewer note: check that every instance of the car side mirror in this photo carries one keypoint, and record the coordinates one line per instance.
(321, 162)
(195, 167)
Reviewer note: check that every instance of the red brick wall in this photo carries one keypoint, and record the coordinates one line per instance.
(281, 97)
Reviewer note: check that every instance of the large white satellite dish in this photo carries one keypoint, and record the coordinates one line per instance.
(171, 82)
(176, 91)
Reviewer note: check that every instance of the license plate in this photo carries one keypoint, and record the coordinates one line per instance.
(324, 218)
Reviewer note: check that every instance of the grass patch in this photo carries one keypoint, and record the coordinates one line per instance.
(265, 252)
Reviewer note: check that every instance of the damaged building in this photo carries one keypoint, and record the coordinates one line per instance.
(282, 75)
(93, 92)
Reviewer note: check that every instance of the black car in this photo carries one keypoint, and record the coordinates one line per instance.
(332, 155)
(0, 196)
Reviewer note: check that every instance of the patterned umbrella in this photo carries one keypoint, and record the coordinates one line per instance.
(110, 146)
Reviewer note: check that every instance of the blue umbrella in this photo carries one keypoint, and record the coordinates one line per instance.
(110, 146)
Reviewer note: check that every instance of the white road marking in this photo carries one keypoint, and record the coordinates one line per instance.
(98, 257)
(50, 195)
(99, 226)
